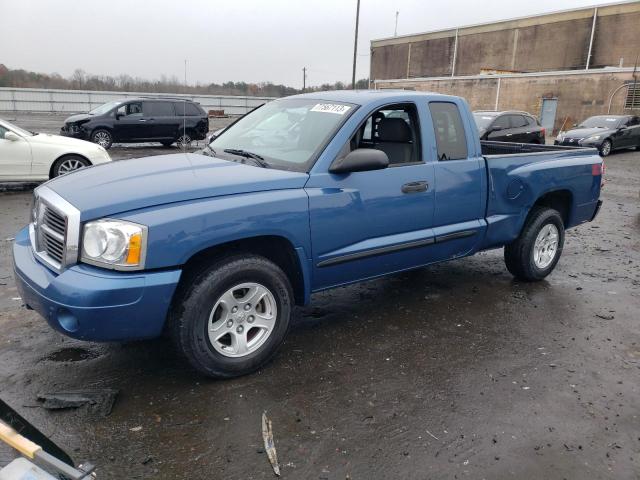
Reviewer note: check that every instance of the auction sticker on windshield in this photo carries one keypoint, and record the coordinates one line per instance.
(330, 108)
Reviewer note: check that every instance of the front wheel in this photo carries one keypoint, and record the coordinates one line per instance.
(231, 318)
(605, 148)
(103, 138)
(535, 253)
(68, 164)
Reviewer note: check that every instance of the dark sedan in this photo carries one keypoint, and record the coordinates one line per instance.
(604, 132)
(510, 126)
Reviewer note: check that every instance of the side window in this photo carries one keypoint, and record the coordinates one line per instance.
(502, 122)
(518, 121)
(2, 132)
(187, 108)
(532, 121)
(449, 131)
(394, 130)
(159, 109)
(130, 109)
(634, 121)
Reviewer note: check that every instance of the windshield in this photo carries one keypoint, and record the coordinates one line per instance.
(107, 107)
(285, 133)
(483, 120)
(16, 129)
(600, 122)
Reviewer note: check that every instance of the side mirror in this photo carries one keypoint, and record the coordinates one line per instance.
(119, 115)
(495, 128)
(575, 125)
(360, 160)
(622, 127)
(14, 137)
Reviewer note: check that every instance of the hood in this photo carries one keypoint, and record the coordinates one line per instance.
(78, 118)
(128, 185)
(586, 132)
(73, 143)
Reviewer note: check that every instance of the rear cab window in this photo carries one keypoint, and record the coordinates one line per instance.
(451, 139)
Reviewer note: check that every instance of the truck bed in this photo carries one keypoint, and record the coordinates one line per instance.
(490, 148)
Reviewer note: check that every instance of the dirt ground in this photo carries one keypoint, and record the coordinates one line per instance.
(452, 371)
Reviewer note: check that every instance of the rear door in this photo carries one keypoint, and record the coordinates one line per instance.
(520, 131)
(460, 177)
(164, 125)
(501, 130)
(634, 125)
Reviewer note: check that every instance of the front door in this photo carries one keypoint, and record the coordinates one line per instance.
(131, 125)
(366, 224)
(15, 156)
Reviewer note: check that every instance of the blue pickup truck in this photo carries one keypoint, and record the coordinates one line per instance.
(303, 194)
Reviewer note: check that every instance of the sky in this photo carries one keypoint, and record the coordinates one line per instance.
(240, 40)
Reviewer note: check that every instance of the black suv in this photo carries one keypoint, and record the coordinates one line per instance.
(511, 126)
(140, 120)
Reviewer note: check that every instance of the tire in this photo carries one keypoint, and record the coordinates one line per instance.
(606, 148)
(520, 255)
(184, 140)
(103, 138)
(207, 330)
(68, 164)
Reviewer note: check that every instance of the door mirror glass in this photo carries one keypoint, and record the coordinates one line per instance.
(11, 136)
(361, 160)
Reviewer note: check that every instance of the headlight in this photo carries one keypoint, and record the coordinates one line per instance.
(114, 244)
(593, 137)
(560, 136)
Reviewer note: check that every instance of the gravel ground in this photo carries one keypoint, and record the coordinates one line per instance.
(452, 371)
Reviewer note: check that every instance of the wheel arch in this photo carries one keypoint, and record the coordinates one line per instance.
(65, 155)
(276, 248)
(560, 200)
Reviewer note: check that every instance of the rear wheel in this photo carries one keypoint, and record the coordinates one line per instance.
(68, 164)
(184, 140)
(231, 318)
(103, 138)
(535, 253)
(605, 148)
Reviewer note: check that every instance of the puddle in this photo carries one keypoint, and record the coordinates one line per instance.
(71, 354)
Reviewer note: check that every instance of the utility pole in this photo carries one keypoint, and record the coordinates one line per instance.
(395, 32)
(304, 78)
(355, 49)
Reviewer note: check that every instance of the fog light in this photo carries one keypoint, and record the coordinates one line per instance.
(67, 320)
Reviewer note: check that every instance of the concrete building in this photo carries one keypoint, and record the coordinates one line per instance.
(563, 66)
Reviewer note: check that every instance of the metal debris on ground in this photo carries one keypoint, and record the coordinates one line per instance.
(100, 401)
(269, 446)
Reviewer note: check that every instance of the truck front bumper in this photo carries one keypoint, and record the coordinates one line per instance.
(91, 303)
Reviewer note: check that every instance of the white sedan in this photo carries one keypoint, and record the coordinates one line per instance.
(28, 156)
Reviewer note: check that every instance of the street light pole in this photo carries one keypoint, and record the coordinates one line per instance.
(355, 49)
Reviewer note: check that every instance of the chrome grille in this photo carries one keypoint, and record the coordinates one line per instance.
(54, 229)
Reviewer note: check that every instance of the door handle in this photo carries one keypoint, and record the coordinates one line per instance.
(414, 187)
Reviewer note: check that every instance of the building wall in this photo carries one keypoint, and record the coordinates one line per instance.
(558, 41)
(579, 96)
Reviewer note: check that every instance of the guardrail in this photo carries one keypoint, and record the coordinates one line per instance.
(72, 101)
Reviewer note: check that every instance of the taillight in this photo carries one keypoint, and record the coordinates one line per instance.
(598, 168)
(544, 132)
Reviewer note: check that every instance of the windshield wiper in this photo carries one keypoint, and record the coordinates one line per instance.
(253, 156)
